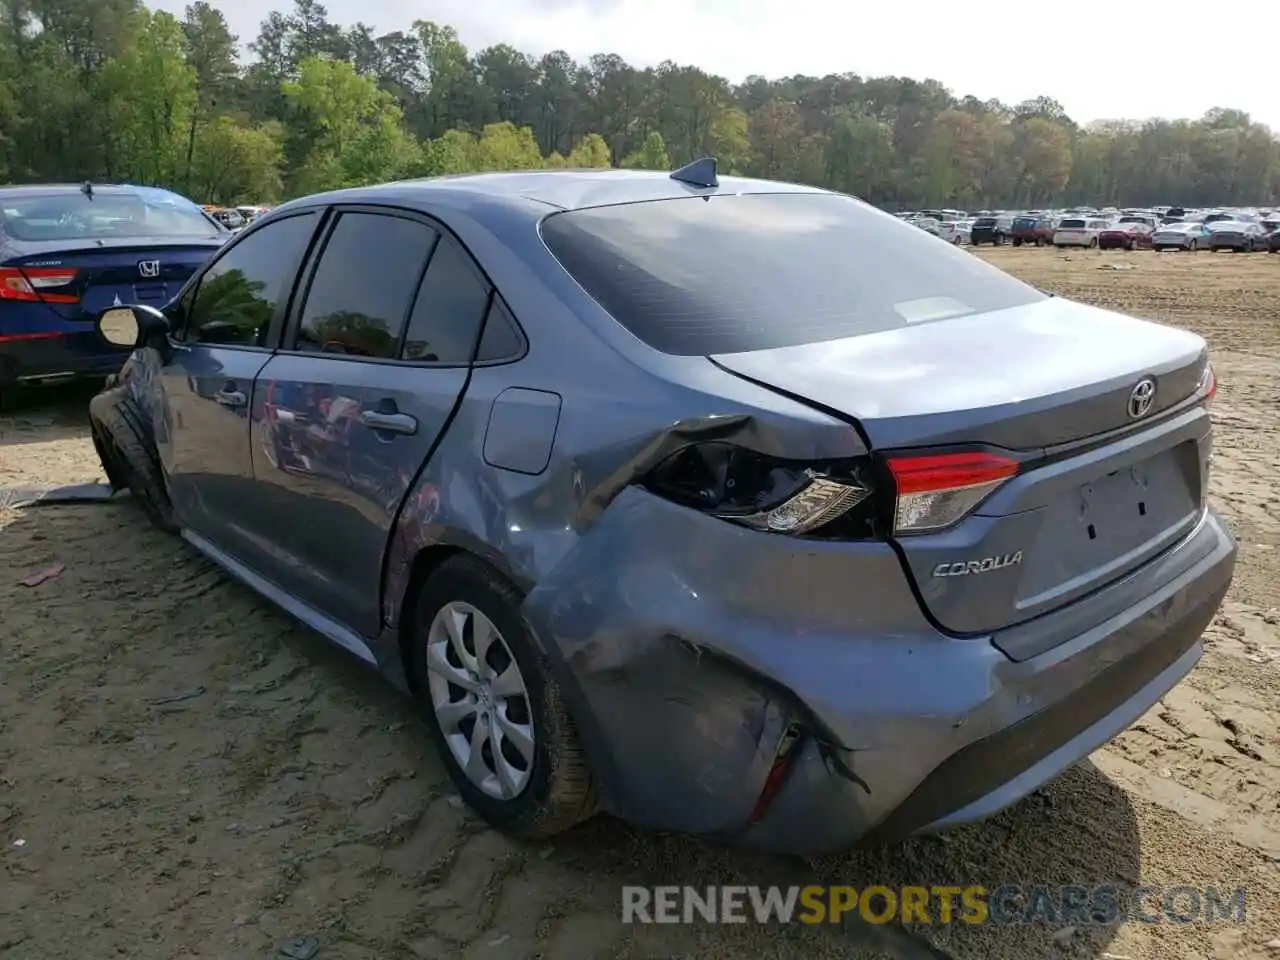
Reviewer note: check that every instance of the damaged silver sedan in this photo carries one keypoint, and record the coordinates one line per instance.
(728, 507)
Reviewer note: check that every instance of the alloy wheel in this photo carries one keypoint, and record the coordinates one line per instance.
(480, 700)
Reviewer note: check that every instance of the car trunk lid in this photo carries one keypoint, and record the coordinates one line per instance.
(78, 284)
(1097, 495)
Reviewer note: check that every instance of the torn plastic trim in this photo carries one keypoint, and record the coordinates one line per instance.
(741, 430)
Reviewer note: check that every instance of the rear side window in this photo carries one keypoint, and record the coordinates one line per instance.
(364, 285)
(240, 292)
(450, 308)
(500, 340)
(735, 273)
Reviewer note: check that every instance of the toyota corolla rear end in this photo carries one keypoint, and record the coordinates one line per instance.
(1014, 560)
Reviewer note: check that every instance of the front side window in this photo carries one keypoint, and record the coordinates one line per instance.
(734, 273)
(240, 292)
(364, 285)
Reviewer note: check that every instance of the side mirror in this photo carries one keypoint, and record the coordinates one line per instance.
(137, 326)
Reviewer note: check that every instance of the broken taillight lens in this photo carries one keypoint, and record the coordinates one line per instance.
(937, 490)
(860, 498)
(764, 493)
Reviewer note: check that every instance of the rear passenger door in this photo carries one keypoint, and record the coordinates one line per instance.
(375, 358)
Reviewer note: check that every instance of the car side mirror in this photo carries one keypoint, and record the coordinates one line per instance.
(135, 327)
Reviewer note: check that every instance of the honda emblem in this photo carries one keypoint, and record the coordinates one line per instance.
(150, 269)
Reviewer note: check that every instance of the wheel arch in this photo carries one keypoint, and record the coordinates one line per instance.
(424, 563)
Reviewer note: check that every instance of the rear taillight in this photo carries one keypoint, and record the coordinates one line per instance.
(765, 493)
(36, 284)
(938, 490)
(849, 500)
(1208, 388)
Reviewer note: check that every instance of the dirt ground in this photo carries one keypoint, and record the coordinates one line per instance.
(186, 773)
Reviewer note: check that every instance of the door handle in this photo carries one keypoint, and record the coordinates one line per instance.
(389, 422)
(229, 396)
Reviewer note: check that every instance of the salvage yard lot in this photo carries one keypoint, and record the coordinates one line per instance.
(192, 775)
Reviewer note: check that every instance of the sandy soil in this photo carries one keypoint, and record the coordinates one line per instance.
(186, 773)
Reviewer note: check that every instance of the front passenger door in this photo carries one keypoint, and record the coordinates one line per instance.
(226, 326)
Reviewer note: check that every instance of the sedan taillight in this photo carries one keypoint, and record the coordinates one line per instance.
(46, 284)
(936, 491)
(860, 498)
(761, 492)
(1208, 387)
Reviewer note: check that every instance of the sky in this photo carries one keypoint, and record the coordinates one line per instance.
(1101, 61)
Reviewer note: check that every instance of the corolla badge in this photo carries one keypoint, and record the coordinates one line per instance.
(1141, 397)
(964, 568)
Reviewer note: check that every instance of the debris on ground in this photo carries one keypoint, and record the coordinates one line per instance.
(40, 576)
(49, 496)
(300, 948)
(176, 698)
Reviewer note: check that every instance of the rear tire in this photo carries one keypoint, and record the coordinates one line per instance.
(126, 458)
(555, 787)
(1093, 243)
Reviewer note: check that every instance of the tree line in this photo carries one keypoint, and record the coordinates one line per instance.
(110, 90)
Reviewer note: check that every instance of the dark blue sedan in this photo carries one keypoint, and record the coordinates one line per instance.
(68, 252)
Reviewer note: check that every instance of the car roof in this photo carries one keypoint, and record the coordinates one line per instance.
(48, 189)
(559, 189)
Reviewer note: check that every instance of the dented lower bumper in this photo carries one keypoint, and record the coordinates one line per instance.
(691, 649)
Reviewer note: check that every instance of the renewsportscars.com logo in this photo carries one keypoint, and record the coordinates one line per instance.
(972, 904)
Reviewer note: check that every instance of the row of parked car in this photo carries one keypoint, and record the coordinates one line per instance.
(235, 218)
(1167, 228)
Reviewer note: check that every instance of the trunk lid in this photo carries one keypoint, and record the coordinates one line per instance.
(109, 273)
(1046, 382)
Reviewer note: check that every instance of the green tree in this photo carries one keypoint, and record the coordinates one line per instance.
(234, 164)
(652, 155)
(346, 131)
(151, 91)
(590, 151)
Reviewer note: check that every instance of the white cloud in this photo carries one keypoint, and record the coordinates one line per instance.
(1099, 60)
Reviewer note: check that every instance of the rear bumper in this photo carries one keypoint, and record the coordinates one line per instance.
(58, 357)
(686, 676)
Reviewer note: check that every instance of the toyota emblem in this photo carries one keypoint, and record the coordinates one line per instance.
(1141, 397)
(150, 269)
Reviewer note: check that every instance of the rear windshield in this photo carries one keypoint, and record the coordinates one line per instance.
(735, 273)
(1072, 224)
(74, 216)
(1024, 222)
